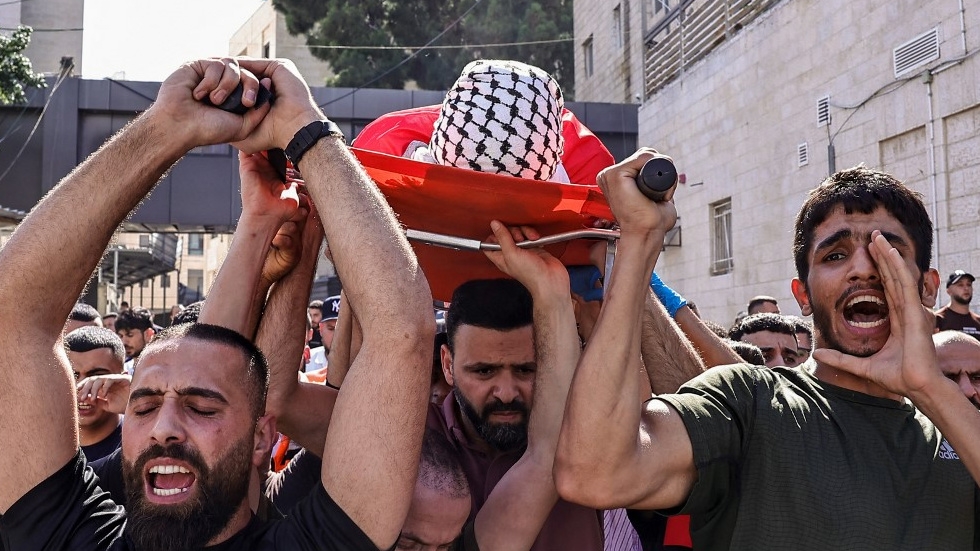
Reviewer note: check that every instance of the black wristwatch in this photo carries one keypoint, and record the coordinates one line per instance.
(309, 135)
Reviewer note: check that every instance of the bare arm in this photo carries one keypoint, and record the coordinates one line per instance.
(346, 343)
(380, 413)
(238, 294)
(668, 355)
(710, 347)
(44, 273)
(515, 511)
(610, 453)
(302, 410)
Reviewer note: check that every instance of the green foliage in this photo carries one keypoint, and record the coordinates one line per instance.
(16, 73)
(408, 23)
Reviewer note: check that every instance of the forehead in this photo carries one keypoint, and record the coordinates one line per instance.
(956, 357)
(859, 225)
(99, 357)
(770, 339)
(473, 344)
(190, 362)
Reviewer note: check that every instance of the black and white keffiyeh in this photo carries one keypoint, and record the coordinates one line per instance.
(501, 117)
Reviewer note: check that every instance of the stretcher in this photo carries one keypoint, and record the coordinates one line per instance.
(447, 211)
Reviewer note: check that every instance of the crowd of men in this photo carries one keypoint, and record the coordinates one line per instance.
(618, 423)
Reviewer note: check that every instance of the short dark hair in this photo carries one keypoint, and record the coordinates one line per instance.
(84, 312)
(499, 304)
(317, 305)
(110, 315)
(759, 300)
(189, 314)
(861, 189)
(801, 325)
(439, 466)
(135, 318)
(766, 321)
(256, 375)
(716, 328)
(749, 352)
(91, 337)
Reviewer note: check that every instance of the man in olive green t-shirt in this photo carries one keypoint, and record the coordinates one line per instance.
(865, 445)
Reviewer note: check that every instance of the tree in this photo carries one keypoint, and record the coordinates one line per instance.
(403, 24)
(16, 72)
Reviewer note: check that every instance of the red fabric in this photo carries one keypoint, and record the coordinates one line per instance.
(678, 531)
(462, 203)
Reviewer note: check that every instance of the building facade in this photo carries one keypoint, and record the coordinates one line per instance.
(57, 32)
(758, 101)
(265, 35)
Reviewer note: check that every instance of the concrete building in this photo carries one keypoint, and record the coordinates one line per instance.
(265, 35)
(57, 33)
(758, 101)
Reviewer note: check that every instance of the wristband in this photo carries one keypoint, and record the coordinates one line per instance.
(670, 298)
(307, 136)
(582, 280)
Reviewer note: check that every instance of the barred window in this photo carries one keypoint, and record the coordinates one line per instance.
(721, 243)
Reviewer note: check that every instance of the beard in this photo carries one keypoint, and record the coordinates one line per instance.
(501, 436)
(221, 489)
(962, 301)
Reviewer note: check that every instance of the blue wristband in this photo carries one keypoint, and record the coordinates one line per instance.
(671, 300)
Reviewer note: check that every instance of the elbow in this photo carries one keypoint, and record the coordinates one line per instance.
(581, 483)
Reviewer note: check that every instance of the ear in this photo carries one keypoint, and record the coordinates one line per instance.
(447, 364)
(799, 292)
(930, 287)
(148, 334)
(264, 438)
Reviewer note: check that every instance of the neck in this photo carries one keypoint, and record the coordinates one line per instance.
(959, 308)
(843, 379)
(96, 433)
(236, 524)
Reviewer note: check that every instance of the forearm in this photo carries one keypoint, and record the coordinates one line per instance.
(341, 349)
(236, 298)
(519, 504)
(957, 419)
(710, 347)
(602, 418)
(380, 412)
(668, 355)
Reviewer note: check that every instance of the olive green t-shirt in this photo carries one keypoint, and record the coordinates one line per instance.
(785, 461)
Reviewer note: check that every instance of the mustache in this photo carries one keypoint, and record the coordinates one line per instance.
(180, 452)
(844, 297)
(497, 406)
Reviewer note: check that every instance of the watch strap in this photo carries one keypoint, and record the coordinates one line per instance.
(309, 135)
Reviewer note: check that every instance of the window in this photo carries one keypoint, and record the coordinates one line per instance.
(165, 281)
(144, 241)
(195, 244)
(618, 27)
(267, 50)
(146, 283)
(195, 280)
(721, 243)
(661, 6)
(587, 56)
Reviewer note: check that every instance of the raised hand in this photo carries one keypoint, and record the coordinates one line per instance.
(111, 390)
(535, 268)
(263, 193)
(906, 364)
(634, 212)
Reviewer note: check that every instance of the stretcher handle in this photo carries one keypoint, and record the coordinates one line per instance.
(465, 244)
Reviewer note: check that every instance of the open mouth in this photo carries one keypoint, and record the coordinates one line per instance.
(169, 480)
(866, 311)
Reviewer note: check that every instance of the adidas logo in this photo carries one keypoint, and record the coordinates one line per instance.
(946, 451)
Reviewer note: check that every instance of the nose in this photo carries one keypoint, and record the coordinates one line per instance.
(862, 266)
(505, 387)
(167, 425)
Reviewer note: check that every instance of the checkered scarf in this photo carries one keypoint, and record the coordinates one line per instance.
(501, 117)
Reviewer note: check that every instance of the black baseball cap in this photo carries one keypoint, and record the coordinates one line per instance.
(957, 275)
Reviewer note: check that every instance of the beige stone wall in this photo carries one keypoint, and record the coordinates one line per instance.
(734, 120)
(48, 44)
(617, 77)
(267, 26)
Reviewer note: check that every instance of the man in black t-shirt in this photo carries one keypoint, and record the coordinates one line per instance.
(95, 351)
(957, 315)
(195, 430)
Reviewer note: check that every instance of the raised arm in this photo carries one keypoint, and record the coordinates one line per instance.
(515, 511)
(302, 410)
(44, 272)
(668, 355)
(346, 344)
(270, 211)
(380, 413)
(611, 453)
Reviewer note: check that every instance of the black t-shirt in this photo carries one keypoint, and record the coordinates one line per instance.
(68, 511)
(105, 446)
